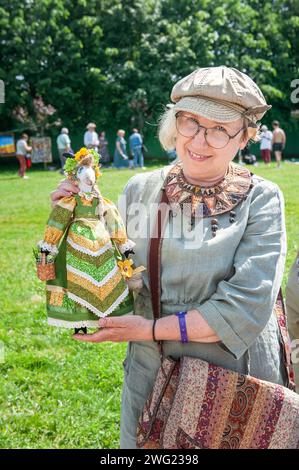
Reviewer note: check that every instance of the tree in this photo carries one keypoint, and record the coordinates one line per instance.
(114, 62)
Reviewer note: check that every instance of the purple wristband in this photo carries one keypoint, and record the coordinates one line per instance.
(183, 328)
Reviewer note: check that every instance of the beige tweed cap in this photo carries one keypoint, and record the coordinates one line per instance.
(221, 94)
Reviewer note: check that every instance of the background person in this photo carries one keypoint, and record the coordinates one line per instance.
(121, 159)
(91, 139)
(278, 142)
(103, 149)
(266, 144)
(64, 145)
(22, 149)
(136, 143)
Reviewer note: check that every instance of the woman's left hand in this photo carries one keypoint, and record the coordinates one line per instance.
(119, 329)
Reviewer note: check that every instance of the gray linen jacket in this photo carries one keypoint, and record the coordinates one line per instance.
(232, 279)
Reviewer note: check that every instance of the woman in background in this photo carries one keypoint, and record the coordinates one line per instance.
(22, 149)
(121, 160)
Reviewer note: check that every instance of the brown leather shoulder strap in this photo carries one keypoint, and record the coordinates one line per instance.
(281, 316)
(154, 259)
(154, 254)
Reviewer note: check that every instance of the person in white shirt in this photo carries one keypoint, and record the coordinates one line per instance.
(22, 149)
(266, 144)
(91, 138)
(63, 145)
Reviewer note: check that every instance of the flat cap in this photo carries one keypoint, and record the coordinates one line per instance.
(221, 94)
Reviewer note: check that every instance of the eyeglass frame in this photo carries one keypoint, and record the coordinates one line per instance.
(206, 129)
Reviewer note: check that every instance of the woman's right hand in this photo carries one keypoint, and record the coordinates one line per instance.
(65, 188)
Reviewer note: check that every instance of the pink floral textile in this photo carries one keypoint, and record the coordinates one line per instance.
(197, 405)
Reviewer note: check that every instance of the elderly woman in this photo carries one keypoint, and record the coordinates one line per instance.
(226, 281)
(121, 160)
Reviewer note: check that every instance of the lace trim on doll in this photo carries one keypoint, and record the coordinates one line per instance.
(52, 249)
(85, 250)
(73, 324)
(88, 196)
(90, 278)
(94, 309)
(128, 245)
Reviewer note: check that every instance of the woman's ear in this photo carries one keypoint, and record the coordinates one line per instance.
(244, 142)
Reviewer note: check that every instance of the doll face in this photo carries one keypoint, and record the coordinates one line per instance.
(86, 177)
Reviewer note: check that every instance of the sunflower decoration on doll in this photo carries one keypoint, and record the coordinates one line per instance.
(91, 273)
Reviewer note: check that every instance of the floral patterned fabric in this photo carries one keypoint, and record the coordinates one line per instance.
(197, 405)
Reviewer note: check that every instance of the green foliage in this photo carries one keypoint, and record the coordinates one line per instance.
(106, 60)
(70, 165)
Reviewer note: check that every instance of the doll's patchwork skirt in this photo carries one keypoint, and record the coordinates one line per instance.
(88, 284)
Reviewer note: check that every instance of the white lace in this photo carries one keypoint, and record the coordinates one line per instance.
(73, 324)
(128, 245)
(86, 250)
(42, 245)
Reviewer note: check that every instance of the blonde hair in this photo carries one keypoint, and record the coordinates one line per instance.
(167, 131)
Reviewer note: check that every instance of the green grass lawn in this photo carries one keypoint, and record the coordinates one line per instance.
(55, 392)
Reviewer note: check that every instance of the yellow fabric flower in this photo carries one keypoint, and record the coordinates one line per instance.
(126, 267)
(81, 153)
(97, 172)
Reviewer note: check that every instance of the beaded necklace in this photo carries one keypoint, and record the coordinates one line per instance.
(212, 200)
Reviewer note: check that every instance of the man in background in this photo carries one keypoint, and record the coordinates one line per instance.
(63, 145)
(136, 142)
(278, 142)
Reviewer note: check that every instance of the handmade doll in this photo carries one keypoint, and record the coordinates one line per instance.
(86, 246)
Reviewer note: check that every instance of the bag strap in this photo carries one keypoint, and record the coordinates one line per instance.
(154, 259)
(154, 264)
(281, 316)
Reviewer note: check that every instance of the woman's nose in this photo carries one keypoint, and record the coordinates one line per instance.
(199, 138)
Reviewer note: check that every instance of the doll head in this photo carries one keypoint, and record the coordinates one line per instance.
(84, 168)
(86, 177)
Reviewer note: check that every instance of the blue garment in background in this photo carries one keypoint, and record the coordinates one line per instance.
(119, 161)
(136, 142)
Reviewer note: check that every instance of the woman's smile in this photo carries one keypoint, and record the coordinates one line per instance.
(197, 157)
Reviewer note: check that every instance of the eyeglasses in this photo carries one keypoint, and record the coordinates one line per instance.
(216, 137)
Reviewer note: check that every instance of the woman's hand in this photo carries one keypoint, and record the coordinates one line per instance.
(120, 329)
(138, 328)
(65, 188)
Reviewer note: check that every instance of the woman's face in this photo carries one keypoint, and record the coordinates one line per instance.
(202, 162)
